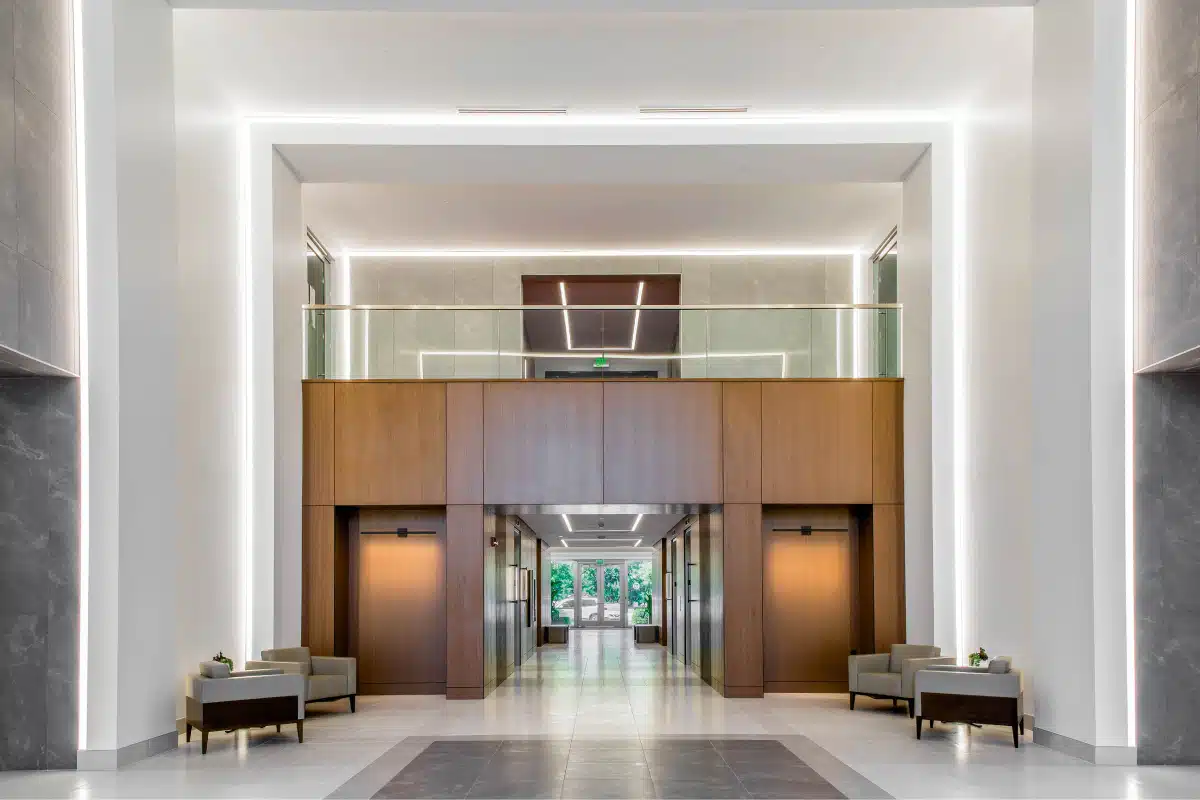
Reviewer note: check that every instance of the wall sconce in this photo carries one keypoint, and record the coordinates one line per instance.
(808, 530)
(402, 533)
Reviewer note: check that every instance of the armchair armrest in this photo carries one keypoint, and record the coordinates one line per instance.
(248, 687)
(337, 665)
(287, 667)
(910, 666)
(871, 662)
(250, 673)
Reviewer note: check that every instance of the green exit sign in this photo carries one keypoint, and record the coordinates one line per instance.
(600, 363)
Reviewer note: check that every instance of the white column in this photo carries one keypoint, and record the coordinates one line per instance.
(1078, 479)
(130, 689)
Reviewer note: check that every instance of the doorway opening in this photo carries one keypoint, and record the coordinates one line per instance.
(601, 593)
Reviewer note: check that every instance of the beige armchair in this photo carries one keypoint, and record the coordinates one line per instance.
(890, 676)
(326, 677)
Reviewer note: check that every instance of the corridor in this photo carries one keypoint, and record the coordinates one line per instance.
(603, 717)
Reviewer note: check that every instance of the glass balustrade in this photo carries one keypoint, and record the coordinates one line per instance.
(489, 342)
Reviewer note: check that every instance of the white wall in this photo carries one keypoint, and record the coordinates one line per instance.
(290, 265)
(135, 412)
(1077, 481)
(368, 62)
(999, 384)
(914, 279)
(209, 356)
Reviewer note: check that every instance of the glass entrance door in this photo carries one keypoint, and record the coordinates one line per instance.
(601, 594)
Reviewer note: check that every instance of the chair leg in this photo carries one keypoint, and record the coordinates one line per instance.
(852, 701)
(203, 743)
(187, 732)
(893, 702)
(930, 724)
(351, 704)
(279, 729)
(1022, 725)
(912, 709)
(918, 727)
(300, 730)
(1016, 738)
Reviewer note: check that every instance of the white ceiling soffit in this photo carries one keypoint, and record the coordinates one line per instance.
(590, 6)
(553, 530)
(764, 164)
(407, 216)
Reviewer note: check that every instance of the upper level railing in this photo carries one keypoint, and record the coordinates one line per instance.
(681, 341)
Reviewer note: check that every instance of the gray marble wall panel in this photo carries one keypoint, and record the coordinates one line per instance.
(39, 572)
(1167, 503)
(37, 263)
(1168, 204)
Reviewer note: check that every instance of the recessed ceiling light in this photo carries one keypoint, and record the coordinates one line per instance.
(552, 110)
(693, 109)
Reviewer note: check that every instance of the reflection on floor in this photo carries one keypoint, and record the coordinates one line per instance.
(603, 687)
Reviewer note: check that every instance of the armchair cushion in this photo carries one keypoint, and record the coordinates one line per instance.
(884, 684)
(337, 665)
(861, 665)
(903, 652)
(299, 655)
(321, 687)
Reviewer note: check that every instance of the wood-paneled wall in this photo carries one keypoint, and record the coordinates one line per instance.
(473, 444)
(543, 443)
(390, 444)
(666, 439)
(466, 547)
(743, 561)
(816, 442)
(834, 442)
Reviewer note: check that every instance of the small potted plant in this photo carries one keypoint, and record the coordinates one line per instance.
(224, 659)
(977, 659)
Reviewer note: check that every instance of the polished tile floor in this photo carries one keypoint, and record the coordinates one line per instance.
(604, 692)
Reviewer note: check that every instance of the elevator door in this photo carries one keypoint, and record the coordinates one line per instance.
(400, 638)
(807, 620)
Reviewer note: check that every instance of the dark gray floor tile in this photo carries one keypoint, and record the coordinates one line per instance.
(525, 770)
(474, 747)
(589, 755)
(601, 770)
(535, 746)
(604, 789)
(410, 789)
(502, 789)
(785, 789)
(680, 789)
(681, 765)
(426, 764)
(678, 745)
(677, 772)
(752, 746)
(790, 772)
